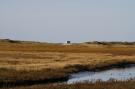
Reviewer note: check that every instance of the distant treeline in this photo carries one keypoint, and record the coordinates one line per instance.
(110, 43)
(9, 40)
(18, 41)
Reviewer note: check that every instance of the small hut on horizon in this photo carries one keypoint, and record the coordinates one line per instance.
(67, 43)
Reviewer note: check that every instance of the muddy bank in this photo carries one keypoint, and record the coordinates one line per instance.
(81, 68)
(31, 82)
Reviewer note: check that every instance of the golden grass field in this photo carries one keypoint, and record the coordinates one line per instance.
(22, 61)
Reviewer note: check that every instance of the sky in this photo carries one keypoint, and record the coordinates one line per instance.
(62, 20)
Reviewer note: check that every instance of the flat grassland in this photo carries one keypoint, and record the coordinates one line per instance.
(28, 63)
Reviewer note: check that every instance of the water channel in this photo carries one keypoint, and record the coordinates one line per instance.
(120, 74)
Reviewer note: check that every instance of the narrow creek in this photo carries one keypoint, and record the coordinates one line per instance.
(120, 74)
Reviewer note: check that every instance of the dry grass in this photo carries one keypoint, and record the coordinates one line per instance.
(21, 62)
(53, 60)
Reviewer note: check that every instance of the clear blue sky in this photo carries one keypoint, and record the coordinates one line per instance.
(61, 20)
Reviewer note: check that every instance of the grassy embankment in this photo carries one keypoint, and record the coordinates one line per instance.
(27, 63)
